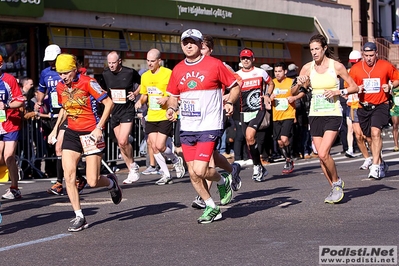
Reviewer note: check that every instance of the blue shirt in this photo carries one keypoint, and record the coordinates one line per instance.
(395, 37)
(49, 79)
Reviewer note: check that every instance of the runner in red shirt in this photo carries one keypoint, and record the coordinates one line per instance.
(10, 125)
(372, 75)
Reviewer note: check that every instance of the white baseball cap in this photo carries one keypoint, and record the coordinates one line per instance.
(292, 67)
(192, 33)
(355, 56)
(266, 67)
(51, 52)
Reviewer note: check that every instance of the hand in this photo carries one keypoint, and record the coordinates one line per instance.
(229, 109)
(171, 115)
(385, 87)
(163, 100)
(30, 115)
(330, 93)
(51, 137)
(138, 105)
(291, 99)
(96, 135)
(267, 102)
(131, 96)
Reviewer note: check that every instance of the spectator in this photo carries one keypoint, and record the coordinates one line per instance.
(395, 36)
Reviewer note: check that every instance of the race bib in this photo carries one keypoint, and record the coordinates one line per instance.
(3, 116)
(248, 116)
(190, 109)
(396, 100)
(54, 100)
(323, 104)
(153, 103)
(281, 104)
(372, 85)
(118, 95)
(278, 91)
(89, 146)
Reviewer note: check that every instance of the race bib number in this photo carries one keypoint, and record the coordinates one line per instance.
(3, 116)
(372, 85)
(396, 100)
(54, 100)
(89, 146)
(281, 104)
(323, 104)
(153, 103)
(248, 116)
(118, 95)
(190, 109)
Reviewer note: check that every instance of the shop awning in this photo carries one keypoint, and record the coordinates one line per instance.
(323, 27)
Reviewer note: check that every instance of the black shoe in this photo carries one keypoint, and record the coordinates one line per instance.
(78, 224)
(115, 191)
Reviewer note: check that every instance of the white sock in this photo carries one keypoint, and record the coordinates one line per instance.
(338, 183)
(162, 163)
(79, 213)
(209, 202)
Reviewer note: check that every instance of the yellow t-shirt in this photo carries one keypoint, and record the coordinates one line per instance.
(282, 109)
(320, 105)
(154, 85)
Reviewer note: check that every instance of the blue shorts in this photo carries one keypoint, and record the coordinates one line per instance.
(10, 136)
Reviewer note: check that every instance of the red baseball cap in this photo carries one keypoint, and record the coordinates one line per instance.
(246, 53)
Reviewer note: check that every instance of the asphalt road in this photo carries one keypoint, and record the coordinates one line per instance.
(282, 221)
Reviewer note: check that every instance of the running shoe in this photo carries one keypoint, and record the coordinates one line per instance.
(336, 195)
(395, 149)
(12, 193)
(115, 191)
(236, 180)
(78, 224)
(383, 169)
(164, 180)
(225, 191)
(133, 175)
(81, 184)
(198, 203)
(151, 170)
(259, 173)
(56, 189)
(288, 167)
(179, 167)
(349, 154)
(210, 214)
(366, 164)
(374, 171)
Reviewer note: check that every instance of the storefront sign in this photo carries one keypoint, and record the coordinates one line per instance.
(95, 61)
(23, 8)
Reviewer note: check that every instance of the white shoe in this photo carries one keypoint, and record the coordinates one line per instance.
(133, 175)
(248, 162)
(383, 169)
(366, 164)
(179, 167)
(240, 162)
(164, 180)
(374, 171)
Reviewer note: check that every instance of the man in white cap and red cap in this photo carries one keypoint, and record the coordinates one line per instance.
(198, 82)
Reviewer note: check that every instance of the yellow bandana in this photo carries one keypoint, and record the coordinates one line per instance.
(65, 63)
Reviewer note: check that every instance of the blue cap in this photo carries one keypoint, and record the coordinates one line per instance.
(369, 46)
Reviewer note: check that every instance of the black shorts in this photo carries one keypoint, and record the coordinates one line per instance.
(283, 128)
(164, 127)
(377, 117)
(321, 124)
(254, 123)
(72, 140)
(122, 114)
(176, 133)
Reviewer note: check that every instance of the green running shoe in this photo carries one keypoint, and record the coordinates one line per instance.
(210, 214)
(225, 191)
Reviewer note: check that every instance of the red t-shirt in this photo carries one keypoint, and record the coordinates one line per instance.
(373, 78)
(80, 102)
(10, 92)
